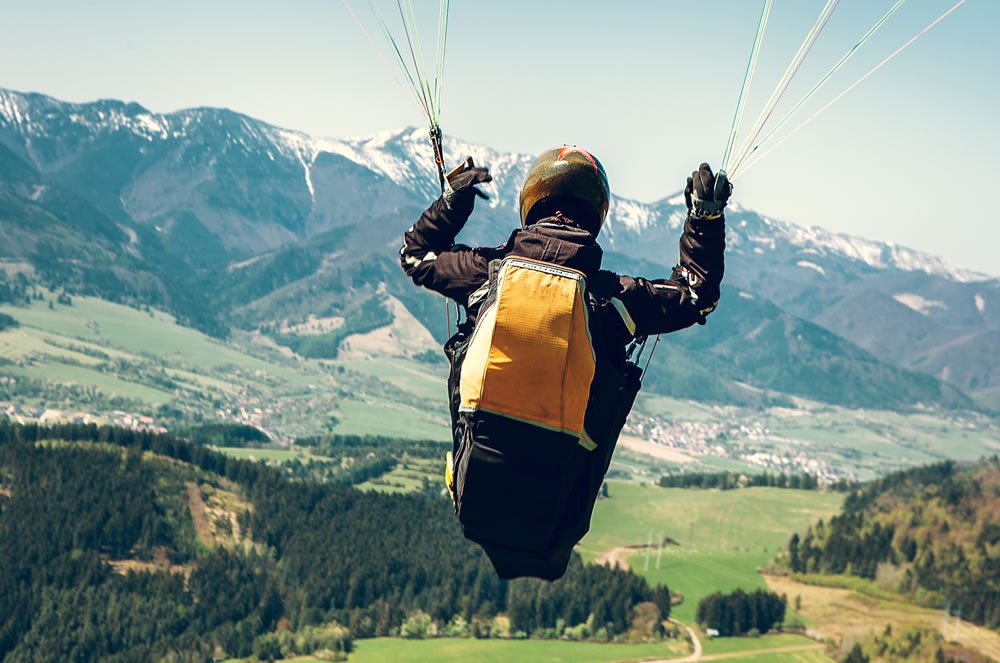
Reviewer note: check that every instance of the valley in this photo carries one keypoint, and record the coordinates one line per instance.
(229, 274)
(97, 361)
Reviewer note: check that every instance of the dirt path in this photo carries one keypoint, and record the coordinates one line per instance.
(618, 556)
(199, 514)
(696, 654)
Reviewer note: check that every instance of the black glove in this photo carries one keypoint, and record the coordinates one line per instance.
(706, 194)
(461, 192)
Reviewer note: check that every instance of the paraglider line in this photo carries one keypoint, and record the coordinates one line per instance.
(859, 81)
(786, 79)
(826, 77)
(747, 77)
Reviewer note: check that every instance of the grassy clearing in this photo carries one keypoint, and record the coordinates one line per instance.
(296, 396)
(415, 378)
(697, 575)
(814, 654)
(505, 651)
(410, 475)
(109, 384)
(279, 455)
(747, 645)
(671, 408)
(19, 343)
(390, 420)
(720, 538)
(107, 325)
(754, 519)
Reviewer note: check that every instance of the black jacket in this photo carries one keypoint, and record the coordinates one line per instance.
(533, 491)
(643, 307)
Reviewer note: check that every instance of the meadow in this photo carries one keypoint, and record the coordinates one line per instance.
(505, 651)
(145, 360)
(713, 540)
(779, 649)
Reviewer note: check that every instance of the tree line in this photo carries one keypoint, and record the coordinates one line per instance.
(322, 555)
(741, 613)
(928, 531)
(7, 321)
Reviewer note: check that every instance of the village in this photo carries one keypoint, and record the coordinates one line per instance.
(750, 441)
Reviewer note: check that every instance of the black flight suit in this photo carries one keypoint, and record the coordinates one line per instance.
(622, 308)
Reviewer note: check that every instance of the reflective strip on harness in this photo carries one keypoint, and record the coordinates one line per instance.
(531, 356)
(623, 312)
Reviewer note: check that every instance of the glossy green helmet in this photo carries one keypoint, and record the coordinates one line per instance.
(568, 180)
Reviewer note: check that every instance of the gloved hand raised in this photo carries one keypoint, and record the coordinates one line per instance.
(461, 192)
(706, 194)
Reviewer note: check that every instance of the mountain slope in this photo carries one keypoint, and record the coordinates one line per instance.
(931, 533)
(130, 546)
(218, 216)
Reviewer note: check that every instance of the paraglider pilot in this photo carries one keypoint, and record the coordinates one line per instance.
(541, 372)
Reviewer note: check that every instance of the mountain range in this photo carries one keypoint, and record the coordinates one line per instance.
(231, 223)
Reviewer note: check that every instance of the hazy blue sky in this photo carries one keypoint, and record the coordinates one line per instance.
(650, 87)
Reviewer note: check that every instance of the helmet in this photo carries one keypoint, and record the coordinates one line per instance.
(570, 180)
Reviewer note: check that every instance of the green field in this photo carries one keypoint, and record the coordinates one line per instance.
(134, 355)
(717, 539)
(777, 641)
(671, 408)
(410, 475)
(56, 371)
(811, 656)
(777, 648)
(391, 420)
(416, 378)
(504, 651)
(279, 455)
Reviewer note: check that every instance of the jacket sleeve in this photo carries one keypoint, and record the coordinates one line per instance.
(431, 258)
(692, 292)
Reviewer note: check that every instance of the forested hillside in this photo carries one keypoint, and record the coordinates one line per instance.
(115, 547)
(932, 533)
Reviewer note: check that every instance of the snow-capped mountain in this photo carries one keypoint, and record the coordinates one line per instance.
(202, 189)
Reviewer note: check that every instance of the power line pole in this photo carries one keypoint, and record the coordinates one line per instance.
(649, 544)
(659, 551)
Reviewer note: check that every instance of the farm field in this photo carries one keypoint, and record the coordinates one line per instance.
(416, 378)
(380, 417)
(142, 360)
(714, 540)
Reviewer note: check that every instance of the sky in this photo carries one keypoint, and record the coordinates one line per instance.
(650, 87)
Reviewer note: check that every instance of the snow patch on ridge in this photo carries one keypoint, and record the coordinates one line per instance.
(980, 303)
(630, 214)
(918, 303)
(811, 265)
(880, 255)
(405, 157)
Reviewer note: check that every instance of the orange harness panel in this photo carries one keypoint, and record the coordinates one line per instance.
(531, 356)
